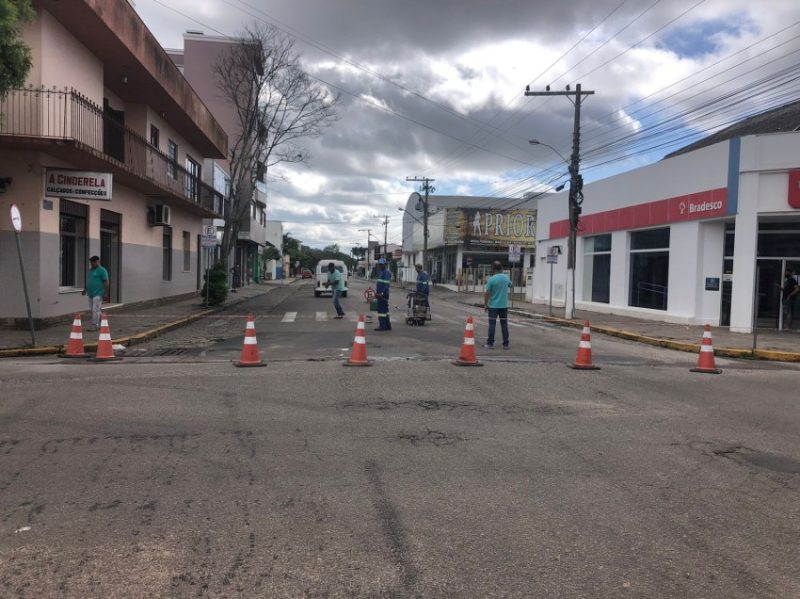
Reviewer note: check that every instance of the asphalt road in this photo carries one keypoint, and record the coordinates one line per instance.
(179, 475)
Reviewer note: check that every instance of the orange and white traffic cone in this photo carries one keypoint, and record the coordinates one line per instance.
(75, 343)
(358, 355)
(583, 360)
(705, 361)
(467, 356)
(105, 350)
(250, 355)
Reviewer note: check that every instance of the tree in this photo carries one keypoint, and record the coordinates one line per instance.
(277, 105)
(15, 56)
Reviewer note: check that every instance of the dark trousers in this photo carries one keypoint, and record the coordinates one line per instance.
(503, 314)
(336, 295)
(383, 313)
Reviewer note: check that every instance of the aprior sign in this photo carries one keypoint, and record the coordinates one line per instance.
(83, 185)
(478, 226)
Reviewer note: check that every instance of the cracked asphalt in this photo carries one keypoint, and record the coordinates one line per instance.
(179, 475)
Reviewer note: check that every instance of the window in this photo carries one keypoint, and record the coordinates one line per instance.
(649, 269)
(597, 268)
(193, 179)
(167, 254)
(187, 252)
(261, 172)
(154, 136)
(72, 234)
(172, 155)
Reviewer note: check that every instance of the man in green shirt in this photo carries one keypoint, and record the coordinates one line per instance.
(495, 300)
(97, 286)
(336, 283)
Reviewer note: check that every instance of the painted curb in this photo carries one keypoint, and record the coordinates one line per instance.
(684, 346)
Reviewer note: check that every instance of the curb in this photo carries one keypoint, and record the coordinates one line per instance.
(684, 346)
(18, 352)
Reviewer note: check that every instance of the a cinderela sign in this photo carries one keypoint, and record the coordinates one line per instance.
(82, 185)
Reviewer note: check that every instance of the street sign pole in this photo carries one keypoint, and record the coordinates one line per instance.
(208, 273)
(16, 220)
(551, 289)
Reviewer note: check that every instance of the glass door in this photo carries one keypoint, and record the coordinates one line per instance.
(770, 274)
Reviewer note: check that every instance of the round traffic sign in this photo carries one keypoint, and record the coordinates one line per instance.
(16, 218)
(369, 294)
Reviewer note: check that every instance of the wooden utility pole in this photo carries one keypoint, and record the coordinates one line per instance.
(575, 187)
(427, 188)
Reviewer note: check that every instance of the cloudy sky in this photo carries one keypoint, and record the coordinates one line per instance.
(435, 88)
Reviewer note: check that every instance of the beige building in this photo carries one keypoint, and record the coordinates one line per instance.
(105, 148)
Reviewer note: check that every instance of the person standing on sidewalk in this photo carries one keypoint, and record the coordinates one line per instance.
(495, 300)
(382, 285)
(336, 283)
(790, 291)
(97, 286)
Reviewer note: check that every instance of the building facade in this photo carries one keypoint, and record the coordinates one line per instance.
(703, 236)
(466, 234)
(104, 148)
(197, 60)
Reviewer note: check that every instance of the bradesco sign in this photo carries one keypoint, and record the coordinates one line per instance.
(82, 185)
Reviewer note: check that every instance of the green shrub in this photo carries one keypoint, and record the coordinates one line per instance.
(218, 285)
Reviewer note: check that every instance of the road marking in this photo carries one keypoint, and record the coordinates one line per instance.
(322, 316)
(289, 317)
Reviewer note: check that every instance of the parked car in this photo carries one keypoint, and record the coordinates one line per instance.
(306, 274)
(322, 277)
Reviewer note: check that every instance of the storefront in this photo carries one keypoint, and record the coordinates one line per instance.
(703, 236)
(466, 234)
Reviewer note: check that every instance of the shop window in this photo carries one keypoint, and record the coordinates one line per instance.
(649, 269)
(187, 252)
(172, 155)
(166, 243)
(72, 233)
(597, 268)
(193, 180)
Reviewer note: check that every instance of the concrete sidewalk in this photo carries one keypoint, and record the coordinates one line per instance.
(129, 325)
(771, 344)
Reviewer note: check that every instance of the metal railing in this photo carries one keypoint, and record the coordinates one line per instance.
(68, 115)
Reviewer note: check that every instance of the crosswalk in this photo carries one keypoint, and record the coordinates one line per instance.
(397, 317)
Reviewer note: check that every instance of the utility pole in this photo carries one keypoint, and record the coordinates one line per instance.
(367, 231)
(385, 223)
(427, 188)
(575, 187)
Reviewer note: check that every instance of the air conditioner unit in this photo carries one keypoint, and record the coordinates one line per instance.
(161, 215)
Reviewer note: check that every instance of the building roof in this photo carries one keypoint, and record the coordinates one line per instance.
(777, 120)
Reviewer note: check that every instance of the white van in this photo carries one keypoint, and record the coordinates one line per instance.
(321, 277)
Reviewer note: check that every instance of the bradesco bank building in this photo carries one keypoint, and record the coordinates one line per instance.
(703, 236)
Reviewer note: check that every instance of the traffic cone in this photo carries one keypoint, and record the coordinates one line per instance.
(105, 350)
(250, 356)
(467, 355)
(705, 361)
(75, 343)
(583, 361)
(358, 355)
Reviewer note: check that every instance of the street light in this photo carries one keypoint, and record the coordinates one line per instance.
(536, 142)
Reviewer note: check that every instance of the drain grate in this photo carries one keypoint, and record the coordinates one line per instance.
(163, 352)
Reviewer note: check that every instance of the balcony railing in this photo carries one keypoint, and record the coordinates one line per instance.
(67, 115)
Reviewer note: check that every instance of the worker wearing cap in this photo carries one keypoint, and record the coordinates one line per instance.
(382, 294)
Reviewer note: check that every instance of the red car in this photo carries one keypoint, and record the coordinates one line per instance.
(306, 274)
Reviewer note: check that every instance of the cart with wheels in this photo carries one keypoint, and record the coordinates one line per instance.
(418, 309)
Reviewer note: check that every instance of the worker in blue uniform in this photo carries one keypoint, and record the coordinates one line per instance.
(382, 294)
(423, 283)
